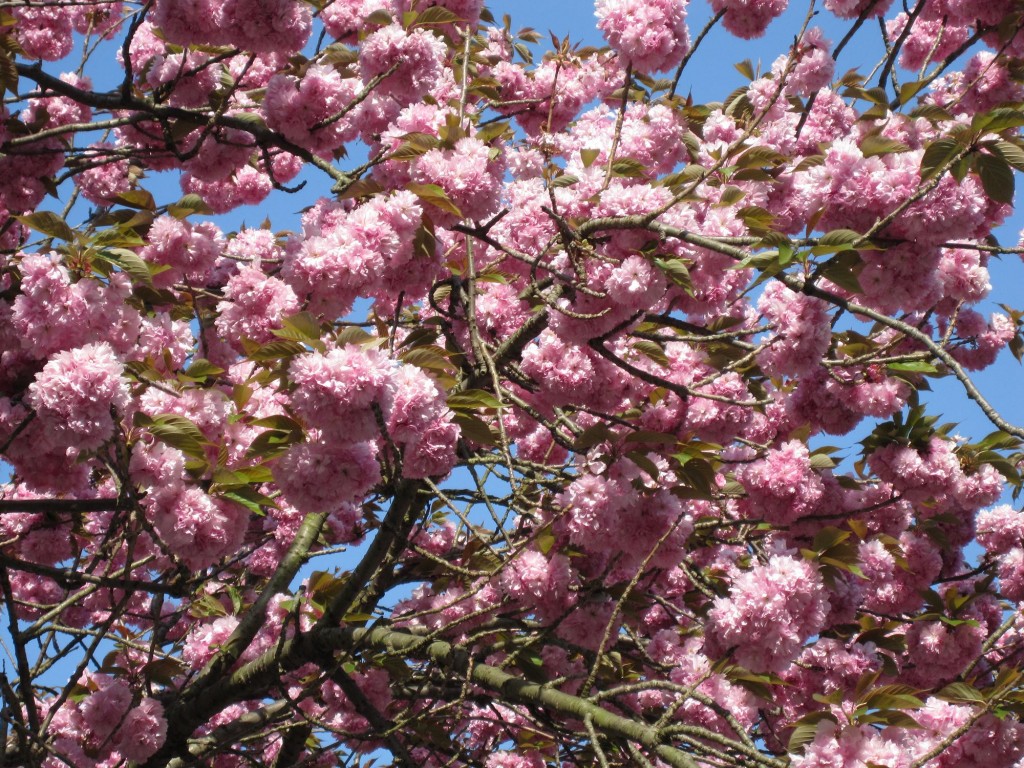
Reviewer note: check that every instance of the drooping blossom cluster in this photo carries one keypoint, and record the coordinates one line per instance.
(107, 723)
(649, 36)
(770, 612)
(78, 394)
(748, 18)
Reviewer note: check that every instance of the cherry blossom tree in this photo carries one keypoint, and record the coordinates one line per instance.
(513, 450)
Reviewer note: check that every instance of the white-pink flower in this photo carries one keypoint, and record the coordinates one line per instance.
(771, 610)
(142, 731)
(650, 35)
(748, 18)
(74, 393)
(253, 307)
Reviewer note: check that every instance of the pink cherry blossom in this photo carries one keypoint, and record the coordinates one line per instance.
(416, 58)
(308, 110)
(770, 612)
(316, 476)
(748, 18)
(649, 36)
(74, 394)
(143, 731)
(255, 304)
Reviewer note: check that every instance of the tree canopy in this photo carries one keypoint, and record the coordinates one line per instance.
(575, 422)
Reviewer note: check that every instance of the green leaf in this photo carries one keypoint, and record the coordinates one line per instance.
(875, 144)
(811, 161)
(242, 477)
(242, 499)
(492, 131)
(565, 180)
(960, 168)
(914, 366)
(998, 120)
(822, 461)
(414, 145)
(435, 196)
(911, 89)
(653, 351)
(961, 692)
(1017, 347)
(474, 428)
(829, 537)
(677, 271)
(644, 463)
(588, 156)
(859, 527)
(931, 112)
(206, 606)
(628, 167)
(275, 350)
(893, 697)
(249, 120)
(272, 443)
(304, 324)
(178, 432)
(731, 196)
(876, 96)
(353, 334)
(382, 18)
(360, 188)
(692, 143)
(760, 156)
(163, 670)
(996, 177)
(189, 204)
(1011, 153)
(137, 198)
(891, 717)
(429, 359)
(649, 436)
(733, 488)
(843, 269)
(436, 15)
(278, 421)
(8, 73)
(323, 586)
(807, 728)
(758, 684)
(697, 478)
(129, 262)
(591, 436)
(756, 219)
(202, 369)
(472, 399)
(49, 223)
(999, 439)
(122, 236)
(676, 181)
(545, 539)
(937, 156)
(835, 241)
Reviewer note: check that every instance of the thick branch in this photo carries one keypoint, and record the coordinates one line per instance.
(60, 505)
(510, 689)
(255, 616)
(119, 100)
